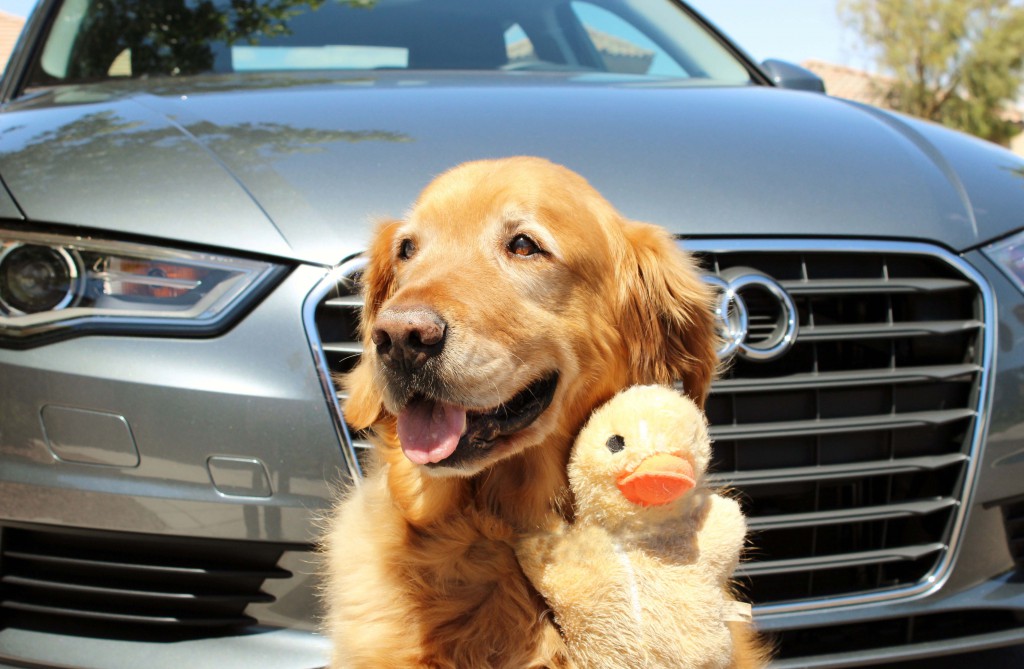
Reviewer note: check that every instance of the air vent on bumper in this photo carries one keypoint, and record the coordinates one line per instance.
(117, 584)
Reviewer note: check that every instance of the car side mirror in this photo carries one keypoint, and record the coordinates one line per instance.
(793, 77)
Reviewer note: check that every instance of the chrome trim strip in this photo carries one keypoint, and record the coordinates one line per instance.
(840, 560)
(857, 514)
(323, 370)
(811, 427)
(931, 583)
(756, 477)
(344, 347)
(880, 286)
(886, 330)
(347, 302)
(847, 379)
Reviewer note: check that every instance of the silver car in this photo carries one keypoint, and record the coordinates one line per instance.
(186, 189)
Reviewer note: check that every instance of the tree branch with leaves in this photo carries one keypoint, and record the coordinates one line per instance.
(957, 62)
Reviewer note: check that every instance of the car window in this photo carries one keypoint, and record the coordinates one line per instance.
(622, 47)
(97, 40)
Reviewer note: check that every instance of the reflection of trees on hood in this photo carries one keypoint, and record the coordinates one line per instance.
(88, 129)
(278, 139)
(105, 145)
(177, 37)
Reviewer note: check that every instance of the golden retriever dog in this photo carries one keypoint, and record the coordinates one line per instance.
(510, 302)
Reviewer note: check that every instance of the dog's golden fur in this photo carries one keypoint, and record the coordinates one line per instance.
(420, 569)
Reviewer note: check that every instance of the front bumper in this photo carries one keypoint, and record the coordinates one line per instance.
(278, 648)
(257, 394)
(233, 443)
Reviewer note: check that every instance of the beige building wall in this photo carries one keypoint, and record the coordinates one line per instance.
(10, 28)
(1017, 144)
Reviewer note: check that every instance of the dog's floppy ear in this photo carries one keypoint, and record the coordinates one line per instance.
(667, 313)
(378, 280)
(364, 406)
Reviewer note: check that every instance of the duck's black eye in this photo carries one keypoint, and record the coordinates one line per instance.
(521, 245)
(615, 443)
(406, 249)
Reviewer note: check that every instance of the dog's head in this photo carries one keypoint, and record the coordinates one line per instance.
(511, 301)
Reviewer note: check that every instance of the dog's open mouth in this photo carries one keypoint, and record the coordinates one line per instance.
(435, 433)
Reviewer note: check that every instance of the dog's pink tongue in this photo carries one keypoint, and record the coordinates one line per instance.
(430, 431)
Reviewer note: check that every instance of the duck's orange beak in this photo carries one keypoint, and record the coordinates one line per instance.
(659, 479)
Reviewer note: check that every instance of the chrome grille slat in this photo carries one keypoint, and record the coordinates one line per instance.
(846, 286)
(345, 302)
(877, 557)
(846, 379)
(349, 347)
(826, 472)
(868, 423)
(861, 514)
(813, 333)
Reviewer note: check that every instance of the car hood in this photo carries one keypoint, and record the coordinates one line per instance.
(299, 167)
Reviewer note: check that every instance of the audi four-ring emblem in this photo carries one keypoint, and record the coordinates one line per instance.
(734, 316)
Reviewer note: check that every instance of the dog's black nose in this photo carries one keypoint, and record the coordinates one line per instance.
(406, 337)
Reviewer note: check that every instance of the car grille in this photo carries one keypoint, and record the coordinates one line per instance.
(336, 319)
(119, 583)
(852, 452)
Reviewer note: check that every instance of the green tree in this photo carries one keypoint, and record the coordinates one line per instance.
(957, 62)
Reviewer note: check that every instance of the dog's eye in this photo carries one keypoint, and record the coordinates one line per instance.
(615, 443)
(521, 245)
(406, 249)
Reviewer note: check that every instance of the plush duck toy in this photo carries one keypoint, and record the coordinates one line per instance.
(641, 578)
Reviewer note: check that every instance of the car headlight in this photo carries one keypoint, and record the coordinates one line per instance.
(62, 285)
(1008, 255)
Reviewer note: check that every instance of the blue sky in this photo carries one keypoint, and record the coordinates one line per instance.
(793, 30)
(18, 7)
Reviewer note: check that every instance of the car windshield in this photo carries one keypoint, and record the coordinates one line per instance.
(100, 40)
